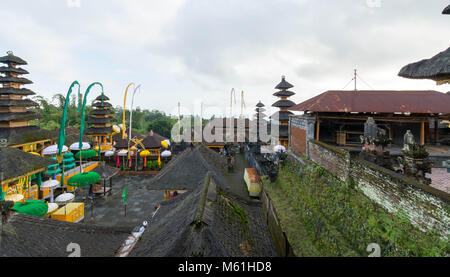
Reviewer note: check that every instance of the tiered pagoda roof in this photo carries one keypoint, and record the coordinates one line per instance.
(100, 118)
(282, 116)
(283, 103)
(260, 111)
(14, 113)
(446, 10)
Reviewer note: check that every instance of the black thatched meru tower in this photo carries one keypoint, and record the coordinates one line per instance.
(14, 114)
(100, 123)
(260, 115)
(282, 116)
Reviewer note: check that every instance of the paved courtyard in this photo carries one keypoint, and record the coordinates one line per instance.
(440, 179)
(109, 210)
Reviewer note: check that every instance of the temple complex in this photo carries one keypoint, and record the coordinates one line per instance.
(282, 116)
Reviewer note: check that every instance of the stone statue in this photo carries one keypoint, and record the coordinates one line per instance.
(408, 139)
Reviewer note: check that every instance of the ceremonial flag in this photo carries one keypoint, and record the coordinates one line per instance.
(124, 195)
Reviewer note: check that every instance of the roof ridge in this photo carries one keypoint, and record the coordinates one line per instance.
(198, 216)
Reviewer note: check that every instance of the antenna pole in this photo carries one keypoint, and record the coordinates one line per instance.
(355, 79)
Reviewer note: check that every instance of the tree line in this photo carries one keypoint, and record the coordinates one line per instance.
(144, 120)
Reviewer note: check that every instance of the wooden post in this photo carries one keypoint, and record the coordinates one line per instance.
(436, 130)
(317, 128)
(422, 133)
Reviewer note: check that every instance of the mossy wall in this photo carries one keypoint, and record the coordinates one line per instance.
(323, 216)
(425, 207)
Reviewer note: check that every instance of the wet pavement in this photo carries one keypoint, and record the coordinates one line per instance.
(235, 179)
(109, 210)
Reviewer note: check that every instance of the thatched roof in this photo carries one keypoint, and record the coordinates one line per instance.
(28, 236)
(101, 112)
(17, 91)
(99, 98)
(99, 105)
(100, 120)
(99, 131)
(446, 10)
(16, 80)
(202, 223)
(10, 58)
(152, 141)
(15, 163)
(283, 104)
(26, 116)
(284, 85)
(188, 169)
(106, 171)
(21, 135)
(284, 93)
(5, 69)
(260, 105)
(17, 103)
(436, 68)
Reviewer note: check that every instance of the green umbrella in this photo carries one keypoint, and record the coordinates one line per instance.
(86, 154)
(84, 179)
(31, 207)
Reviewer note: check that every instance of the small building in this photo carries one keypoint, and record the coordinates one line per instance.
(17, 169)
(337, 116)
(282, 116)
(16, 128)
(152, 143)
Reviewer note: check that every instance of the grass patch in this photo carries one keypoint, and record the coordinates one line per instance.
(323, 216)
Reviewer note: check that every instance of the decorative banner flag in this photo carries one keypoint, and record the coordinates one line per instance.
(159, 160)
(124, 195)
(118, 161)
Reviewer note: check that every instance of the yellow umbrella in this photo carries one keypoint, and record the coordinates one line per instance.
(164, 144)
(34, 153)
(145, 154)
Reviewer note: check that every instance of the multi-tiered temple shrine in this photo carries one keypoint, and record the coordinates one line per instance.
(282, 116)
(100, 123)
(16, 129)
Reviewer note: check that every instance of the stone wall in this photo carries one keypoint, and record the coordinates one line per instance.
(425, 207)
(331, 158)
(279, 237)
(301, 130)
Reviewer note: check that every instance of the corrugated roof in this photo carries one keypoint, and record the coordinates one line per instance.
(380, 101)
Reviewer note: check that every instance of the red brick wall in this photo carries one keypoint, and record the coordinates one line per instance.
(298, 139)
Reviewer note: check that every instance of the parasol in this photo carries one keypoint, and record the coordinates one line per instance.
(166, 154)
(64, 198)
(86, 154)
(123, 153)
(50, 185)
(164, 144)
(109, 153)
(53, 150)
(84, 179)
(31, 207)
(279, 148)
(76, 146)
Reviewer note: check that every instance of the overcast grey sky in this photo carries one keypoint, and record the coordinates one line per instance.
(197, 50)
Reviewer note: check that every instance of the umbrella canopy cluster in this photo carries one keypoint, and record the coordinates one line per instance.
(84, 179)
(53, 150)
(86, 154)
(31, 207)
(76, 146)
